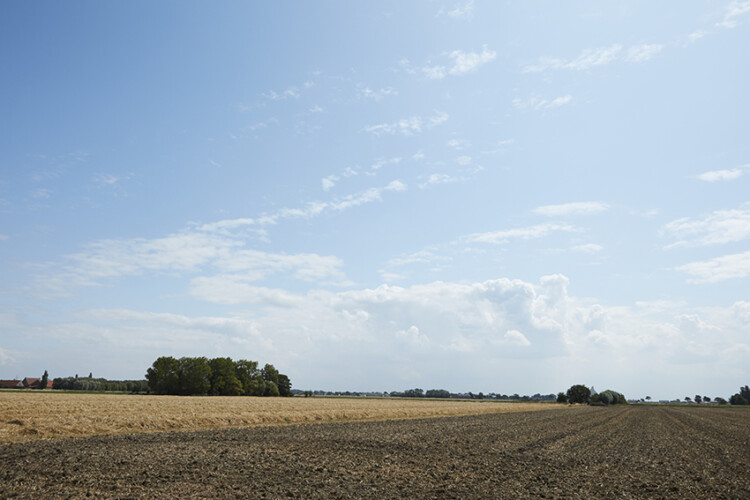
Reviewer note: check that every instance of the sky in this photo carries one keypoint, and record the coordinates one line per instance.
(508, 197)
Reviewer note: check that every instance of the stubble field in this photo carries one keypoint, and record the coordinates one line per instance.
(579, 452)
(27, 416)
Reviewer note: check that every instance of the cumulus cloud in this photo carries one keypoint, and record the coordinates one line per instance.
(575, 208)
(721, 226)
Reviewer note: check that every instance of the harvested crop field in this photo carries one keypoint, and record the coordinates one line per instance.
(583, 452)
(26, 416)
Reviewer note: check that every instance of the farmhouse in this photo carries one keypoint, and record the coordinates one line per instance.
(10, 384)
(35, 383)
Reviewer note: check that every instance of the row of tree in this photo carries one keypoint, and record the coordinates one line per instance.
(216, 377)
(99, 384)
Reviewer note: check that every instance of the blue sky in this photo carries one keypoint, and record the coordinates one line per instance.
(485, 196)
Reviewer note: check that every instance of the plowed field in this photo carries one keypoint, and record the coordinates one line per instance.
(637, 451)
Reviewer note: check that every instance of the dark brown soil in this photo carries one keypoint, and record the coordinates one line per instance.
(636, 451)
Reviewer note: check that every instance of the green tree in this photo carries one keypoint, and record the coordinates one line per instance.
(737, 399)
(194, 376)
(579, 394)
(270, 374)
(745, 393)
(271, 389)
(698, 398)
(285, 385)
(224, 381)
(163, 376)
(250, 377)
(562, 397)
(45, 378)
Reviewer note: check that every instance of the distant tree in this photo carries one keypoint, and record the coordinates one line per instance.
(745, 393)
(91, 374)
(706, 399)
(562, 397)
(610, 397)
(737, 399)
(579, 394)
(45, 378)
(648, 398)
(721, 401)
(271, 389)
(437, 393)
(688, 400)
(285, 386)
(698, 399)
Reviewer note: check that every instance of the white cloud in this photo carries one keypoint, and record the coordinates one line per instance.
(408, 126)
(721, 226)
(588, 248)
(315, 109)
(459, 144)
(463, 160)
(466, 62)
(289, 93)
(382, 162)
(724, 174)
(111, 180)
(459, 11)
(463, 62)
(734, 10)
(718, 269)
(537, 103)
(576, 208)
(521, 233)
(438, 179)
(517, 338)
(587, 59)
(376, 95)
(328, 182)
(642, 53)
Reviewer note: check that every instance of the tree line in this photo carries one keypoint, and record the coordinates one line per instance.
(216, 377)
(581, 394)
(99, 384)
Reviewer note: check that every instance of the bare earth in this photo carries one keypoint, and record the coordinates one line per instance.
(584, 452)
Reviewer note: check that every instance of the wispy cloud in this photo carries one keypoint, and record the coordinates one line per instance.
(718, 269)
(576, 208)
(537, 103)
(288, 93)
(724, 174)
(408, 126)
(438, 179)
(328, 182)
(588, 248)
(376, 95)
(521, 233)
(111, 180)
(719, 227)
(41, 193)
(734, 11)
(463, 10)
(642, 53)
(463, 62)
(593, 57)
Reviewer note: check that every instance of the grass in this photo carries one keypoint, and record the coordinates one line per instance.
(27, 416)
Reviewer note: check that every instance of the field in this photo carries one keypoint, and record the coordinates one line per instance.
(26, 416)
(580, 452)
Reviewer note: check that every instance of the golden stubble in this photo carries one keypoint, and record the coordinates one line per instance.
(27, 416)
